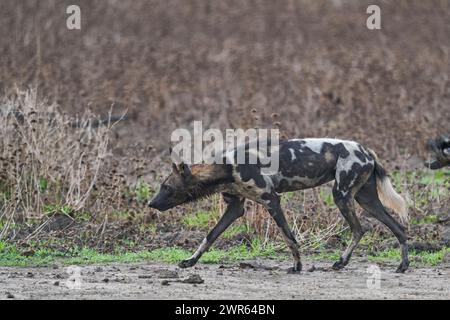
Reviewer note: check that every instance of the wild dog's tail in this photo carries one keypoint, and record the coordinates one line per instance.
(388, 196)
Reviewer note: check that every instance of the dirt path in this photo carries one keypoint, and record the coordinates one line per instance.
(259, 279)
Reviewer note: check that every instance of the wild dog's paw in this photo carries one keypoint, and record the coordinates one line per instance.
(187, 263)
(339, 265)
(296, 269)
(402, 267)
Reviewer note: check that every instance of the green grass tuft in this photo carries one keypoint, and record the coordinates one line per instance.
(11, 256)
(201, 219)
(417, 258)
(234, 230)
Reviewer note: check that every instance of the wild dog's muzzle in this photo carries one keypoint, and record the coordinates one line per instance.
(159, 204)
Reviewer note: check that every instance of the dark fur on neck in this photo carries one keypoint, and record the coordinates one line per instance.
(208, 179)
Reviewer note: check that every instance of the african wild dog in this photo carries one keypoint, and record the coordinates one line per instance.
(440, 148)
(303, 164)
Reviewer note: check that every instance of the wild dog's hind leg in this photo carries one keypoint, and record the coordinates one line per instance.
(348, 182)
(235, 209)
(345, 203)
(272, 204)
(368, 198)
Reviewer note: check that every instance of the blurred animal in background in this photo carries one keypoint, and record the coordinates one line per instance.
(440, 150)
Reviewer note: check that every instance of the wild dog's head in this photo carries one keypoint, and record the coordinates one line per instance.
(188, 183)
(440, 148)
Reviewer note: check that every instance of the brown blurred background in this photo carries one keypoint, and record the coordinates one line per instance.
(170, 62)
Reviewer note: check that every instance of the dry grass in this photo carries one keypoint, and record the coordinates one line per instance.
(51, 167)
(44, 160)
(310, 68)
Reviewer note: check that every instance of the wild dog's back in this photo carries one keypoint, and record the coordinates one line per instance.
(306, 163)
(303, 163)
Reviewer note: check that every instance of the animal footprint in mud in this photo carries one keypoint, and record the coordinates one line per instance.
(192, 279)
(255, 266)
(167, 274)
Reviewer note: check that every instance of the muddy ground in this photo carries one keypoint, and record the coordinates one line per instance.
(259, 279)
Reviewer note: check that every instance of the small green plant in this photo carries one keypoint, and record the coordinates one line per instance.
(152, 228)
(170, 255)
(2, 246)
(234, 230)
(433, 258)
(437, 177)
(43, 185)
(370, 240)
(333, 255)
(201, 219)
(143, 192)
(121, 214)
(386, 255)
(421, 258)
(286, 197)
(327, 197)
(426, 219)
(83, 216)
(51, 209)
(145, 227)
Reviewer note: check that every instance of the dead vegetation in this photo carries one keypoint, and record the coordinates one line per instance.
(310, 68)
(47, 166)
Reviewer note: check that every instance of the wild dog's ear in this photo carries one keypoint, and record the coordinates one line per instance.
(181, 169)
(184, 170)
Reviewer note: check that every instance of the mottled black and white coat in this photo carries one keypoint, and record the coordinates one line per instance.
(303, 164)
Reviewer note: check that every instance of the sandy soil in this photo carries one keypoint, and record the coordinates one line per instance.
(259, 279)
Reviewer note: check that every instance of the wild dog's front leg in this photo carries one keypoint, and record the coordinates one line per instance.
(272, 203)
(235, 209)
